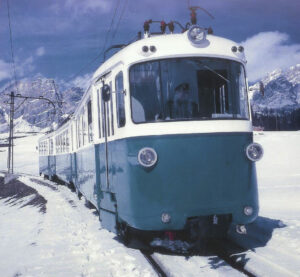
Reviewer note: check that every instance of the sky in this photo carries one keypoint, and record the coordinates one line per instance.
(58, 39)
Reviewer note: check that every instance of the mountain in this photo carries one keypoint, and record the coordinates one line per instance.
(282, 90)
(33, 115)
(279, 107)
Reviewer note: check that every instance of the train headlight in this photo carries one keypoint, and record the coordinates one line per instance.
(248, 210)
(196, 35)
(234, 49)
(254, 152)
(147, 157)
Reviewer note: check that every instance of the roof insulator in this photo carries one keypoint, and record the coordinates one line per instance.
(171, 26)
(147, 25)
(163, 26)
(210, 31)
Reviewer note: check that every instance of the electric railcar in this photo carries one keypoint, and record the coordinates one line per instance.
(162, 139)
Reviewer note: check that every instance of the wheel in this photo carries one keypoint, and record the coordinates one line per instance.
(79, 194)
(124, 233)
(88, 204)
(71, 186)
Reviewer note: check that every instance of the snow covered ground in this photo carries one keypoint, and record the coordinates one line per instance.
(65, 240)
(275, 236)
(59, 236)
(26, 159)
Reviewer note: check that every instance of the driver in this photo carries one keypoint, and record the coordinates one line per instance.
(182, 101)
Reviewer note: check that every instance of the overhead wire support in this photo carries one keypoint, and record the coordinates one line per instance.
(10, 157)
(36, 98)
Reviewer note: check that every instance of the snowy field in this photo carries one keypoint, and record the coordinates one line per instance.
(26, 156)
(49, 232)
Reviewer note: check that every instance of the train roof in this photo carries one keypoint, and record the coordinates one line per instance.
(171, 46)
(167, 46)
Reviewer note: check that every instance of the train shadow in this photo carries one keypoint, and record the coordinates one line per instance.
(258, 233)
(235, 248)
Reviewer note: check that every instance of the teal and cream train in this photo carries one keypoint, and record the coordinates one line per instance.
(162, 139)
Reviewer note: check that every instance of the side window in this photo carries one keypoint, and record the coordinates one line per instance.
(78, 132)
(63, 136)
(90, 120)
(99, 112)
(60, 143)
(111, 112)
(120, 100)
(51, 147)
(67, 141)
(106, 115)
(102, 114)
(71, 138)
(56, 145)
(81, 130)
(83, 123)
(107, 109)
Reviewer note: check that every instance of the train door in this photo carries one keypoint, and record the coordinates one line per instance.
(73, 153)
(107, 201)
(108, 131)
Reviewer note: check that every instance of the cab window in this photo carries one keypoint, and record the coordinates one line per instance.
(120, 100)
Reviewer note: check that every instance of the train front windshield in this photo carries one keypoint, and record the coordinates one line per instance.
(188, 89)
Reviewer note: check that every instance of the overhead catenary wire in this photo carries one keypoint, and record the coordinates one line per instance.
(11, 46)
(120, 18)
(111, 25)
(104, 45)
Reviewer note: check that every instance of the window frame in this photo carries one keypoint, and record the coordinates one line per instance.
(192, 119)
(118, 93)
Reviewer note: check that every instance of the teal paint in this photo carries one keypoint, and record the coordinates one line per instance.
(86, 173)
(64, 167)
(52, 165)
(74, 169)
(43, 165)
(196, 175)
(105, 191)
(47, 165)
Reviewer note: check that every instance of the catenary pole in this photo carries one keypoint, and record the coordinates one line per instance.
(10, 160)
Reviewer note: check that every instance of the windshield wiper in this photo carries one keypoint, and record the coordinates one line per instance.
(210, 69)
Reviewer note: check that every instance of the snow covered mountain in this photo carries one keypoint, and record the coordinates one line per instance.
(33, 115)
(282, 91)
(279, 107)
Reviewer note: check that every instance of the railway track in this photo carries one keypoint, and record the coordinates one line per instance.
(225, 258)
(170, 265)
(160, 270)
